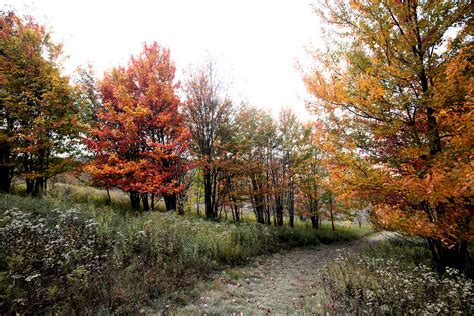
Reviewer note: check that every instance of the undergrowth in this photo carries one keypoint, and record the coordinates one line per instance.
(397, 279)
(64, 254)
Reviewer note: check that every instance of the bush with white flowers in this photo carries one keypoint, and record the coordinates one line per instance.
(48, 259)
(390, 279)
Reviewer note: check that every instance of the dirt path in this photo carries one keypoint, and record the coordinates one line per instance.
(283, 283)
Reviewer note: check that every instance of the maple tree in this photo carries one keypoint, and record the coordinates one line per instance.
(38, 117)
(140, 141)
(395, 87)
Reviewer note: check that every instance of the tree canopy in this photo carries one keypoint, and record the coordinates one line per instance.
(140, 141)
(395, 85)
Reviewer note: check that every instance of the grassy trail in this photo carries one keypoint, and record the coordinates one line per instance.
(283, 283)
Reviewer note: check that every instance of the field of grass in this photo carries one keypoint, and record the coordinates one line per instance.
(69, 250)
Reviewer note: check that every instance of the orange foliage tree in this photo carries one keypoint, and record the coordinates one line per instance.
(140, 141)
(38, 115)
(396, 88)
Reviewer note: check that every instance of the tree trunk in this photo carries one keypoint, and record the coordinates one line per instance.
(146, 205)
(291, 205)
(237, 214)
(259, 212)
(5, 179)
(34, 187)
(109, 199)
(215, 197)
(314, 206)
(258, 202)
(6, 170)
(170, 201)
(208, 196)
(455, 257)
(291, 211)
(267, 216)
(279, 211)
(29, 186)
(332, 222)
(198, 200)
(134, 200)
(332, 214)
(38, 187)
(180, 205)
(314, 221)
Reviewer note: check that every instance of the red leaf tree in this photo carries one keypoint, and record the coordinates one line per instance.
(140, 141)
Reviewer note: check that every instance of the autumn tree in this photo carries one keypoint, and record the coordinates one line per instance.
(311, 175)
(395, 85)
(38, 130)
(228, 191)
(291, 135)
(140, 141)
(209, 114)
(268, 150)
(256, 135)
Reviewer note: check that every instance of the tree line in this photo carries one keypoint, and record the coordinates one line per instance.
(143, 132)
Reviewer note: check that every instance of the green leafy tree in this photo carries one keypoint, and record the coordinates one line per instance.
(311, 176)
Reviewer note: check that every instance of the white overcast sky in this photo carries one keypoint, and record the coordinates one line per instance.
(256, 42)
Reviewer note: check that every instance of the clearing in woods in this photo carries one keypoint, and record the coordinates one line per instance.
(287, 282)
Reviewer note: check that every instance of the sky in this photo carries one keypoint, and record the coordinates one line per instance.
(256, 43)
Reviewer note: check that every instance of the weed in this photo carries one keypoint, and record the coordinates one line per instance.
(399, 279)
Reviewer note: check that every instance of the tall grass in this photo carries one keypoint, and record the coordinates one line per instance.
(58, 258)
(70, 251)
